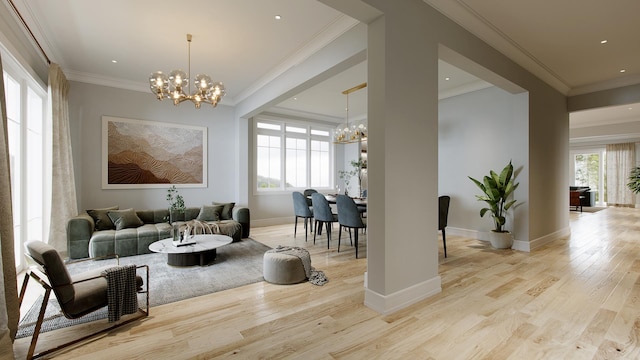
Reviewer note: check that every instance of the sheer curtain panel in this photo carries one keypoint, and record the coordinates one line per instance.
(621, 158)
(9, 309)
(63, 187)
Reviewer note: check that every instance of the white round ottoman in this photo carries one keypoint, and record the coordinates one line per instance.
(280, 268)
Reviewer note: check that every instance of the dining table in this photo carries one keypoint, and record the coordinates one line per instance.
(331, 198)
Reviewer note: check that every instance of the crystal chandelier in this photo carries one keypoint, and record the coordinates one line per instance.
(350, 132)
(173, 86)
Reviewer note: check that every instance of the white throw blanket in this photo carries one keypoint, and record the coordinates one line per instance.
(121, 291)
(316, 277)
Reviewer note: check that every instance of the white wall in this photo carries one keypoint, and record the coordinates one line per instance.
(88, 103)
(478, 132)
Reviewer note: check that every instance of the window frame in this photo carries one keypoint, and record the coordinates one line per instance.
(28, 86)
(283, 135)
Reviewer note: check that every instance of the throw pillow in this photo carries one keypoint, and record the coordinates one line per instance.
(101, 219)
(124, 219)
(227, 211)
(210, 212)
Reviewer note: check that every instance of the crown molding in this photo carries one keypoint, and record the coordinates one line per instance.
(464, 15)
(605, 85)
(605, 139)
(334, 30)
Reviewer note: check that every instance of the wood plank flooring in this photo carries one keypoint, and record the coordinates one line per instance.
(577, 298)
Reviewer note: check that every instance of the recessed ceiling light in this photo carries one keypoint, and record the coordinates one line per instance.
(278, 17)
(295, 98)
(114, 61)
(623, 70)
(603, 41)
(447, 78)
(629, 108)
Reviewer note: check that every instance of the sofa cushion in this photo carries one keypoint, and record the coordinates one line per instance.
(210, 212)
(101, 219)
(227, 210)
(124, 219)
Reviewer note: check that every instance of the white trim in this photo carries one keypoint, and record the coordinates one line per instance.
(272, 221)
(387, 304)
(543, 240)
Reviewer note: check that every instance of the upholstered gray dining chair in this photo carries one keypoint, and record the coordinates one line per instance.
(302, 210)
(307, 194)
(81, 294)
(349, 217)
(443, 215)
(323, 215)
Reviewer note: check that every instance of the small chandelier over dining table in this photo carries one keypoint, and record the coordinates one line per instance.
(174, 85)
(350, 132)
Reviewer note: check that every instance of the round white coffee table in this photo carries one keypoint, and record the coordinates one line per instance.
(202, 252)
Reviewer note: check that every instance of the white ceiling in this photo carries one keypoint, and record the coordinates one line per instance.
(240, 43)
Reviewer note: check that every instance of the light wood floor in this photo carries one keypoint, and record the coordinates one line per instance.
(578, 298)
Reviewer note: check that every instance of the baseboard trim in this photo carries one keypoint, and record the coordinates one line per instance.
(274, 221)
(387, 304)
(520, 245)
(541, 241)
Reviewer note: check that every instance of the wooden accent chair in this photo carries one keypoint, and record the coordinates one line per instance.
(78, 295)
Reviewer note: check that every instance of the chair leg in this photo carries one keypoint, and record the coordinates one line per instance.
(356, 240)
(305, 229)
(444, 242)
(314, 233)
(339, 236)
(295, 227)
(328, 225)
(36, 330)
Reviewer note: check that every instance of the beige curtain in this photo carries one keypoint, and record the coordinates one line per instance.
(621, 158)
(63, 187)
(9, 309)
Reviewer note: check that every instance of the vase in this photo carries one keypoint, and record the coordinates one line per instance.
(175, 232)
(501, 240)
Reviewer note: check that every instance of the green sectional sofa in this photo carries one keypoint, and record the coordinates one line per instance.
(128, 232)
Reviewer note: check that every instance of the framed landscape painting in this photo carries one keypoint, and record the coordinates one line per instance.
(149, 154)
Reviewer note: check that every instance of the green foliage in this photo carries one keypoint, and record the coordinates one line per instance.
(497, 189)
(347, 175)
(634, 180)
(176, 202)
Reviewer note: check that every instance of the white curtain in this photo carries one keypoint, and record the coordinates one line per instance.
(63, 187)
(621, 159)
(9, 309)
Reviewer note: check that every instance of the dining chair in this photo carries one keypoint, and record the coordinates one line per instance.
(84, 293)
(307, 195)
(323, 215)
(443, 215)
(349, 217)
(301, 210)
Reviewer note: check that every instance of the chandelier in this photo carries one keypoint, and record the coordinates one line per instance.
(350, 132)
(173, 86)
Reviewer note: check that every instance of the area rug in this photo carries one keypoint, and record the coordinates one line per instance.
(236, 264)
(592, 209)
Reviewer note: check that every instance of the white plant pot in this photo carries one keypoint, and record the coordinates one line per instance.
(501, 240)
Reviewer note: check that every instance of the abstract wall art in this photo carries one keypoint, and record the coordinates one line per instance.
(149, 154)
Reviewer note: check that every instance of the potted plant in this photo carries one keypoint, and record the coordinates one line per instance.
(176, 204)
(634, 180)
(497, 189)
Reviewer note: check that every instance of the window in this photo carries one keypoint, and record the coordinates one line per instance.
(26, 100)
(298, 153)
(589, 170)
